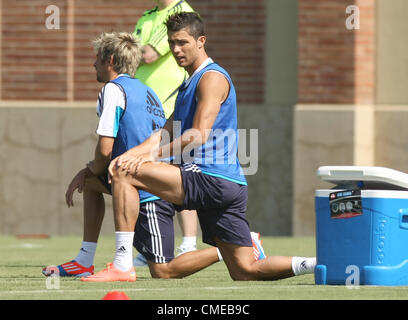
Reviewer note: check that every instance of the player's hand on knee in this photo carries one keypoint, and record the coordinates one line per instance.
(116, 165)
(134, 164)
(113, 166)
(144, 158)
(127, 163)
(110, 170)
(124, 162)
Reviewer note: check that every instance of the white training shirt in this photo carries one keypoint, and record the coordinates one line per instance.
(109, 108)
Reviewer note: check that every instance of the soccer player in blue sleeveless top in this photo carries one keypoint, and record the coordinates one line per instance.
(128, 112)
(209, 177)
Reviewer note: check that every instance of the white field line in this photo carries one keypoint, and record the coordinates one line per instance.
(298, 287)
(148, 289)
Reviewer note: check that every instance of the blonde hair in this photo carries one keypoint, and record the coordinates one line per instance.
(125, 48)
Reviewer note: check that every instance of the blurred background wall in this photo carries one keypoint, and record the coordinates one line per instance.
(318, 93)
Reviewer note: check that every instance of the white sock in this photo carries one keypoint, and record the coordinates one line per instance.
(219, 255)
(189, 242)
(302, 265)
(124, 251)
(86, 254)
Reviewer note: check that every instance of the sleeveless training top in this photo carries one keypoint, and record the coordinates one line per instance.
(142, 115)
(218, 156)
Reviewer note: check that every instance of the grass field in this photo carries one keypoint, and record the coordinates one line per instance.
(22, 260)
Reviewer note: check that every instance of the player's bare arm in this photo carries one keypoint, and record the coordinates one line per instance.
(103, 153)
(95, 167)
(149, 54)
(211, 92)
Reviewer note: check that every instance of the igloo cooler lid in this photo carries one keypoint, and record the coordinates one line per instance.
(362, 177)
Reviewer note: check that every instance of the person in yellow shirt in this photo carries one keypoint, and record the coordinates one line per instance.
(160, 71)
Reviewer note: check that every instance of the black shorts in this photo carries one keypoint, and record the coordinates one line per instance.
(220, 204)
(154, 231)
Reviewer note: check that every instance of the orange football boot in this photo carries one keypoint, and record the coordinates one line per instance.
(111, 274)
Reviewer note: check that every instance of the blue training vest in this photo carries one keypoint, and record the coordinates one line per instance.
(142, 115)
(218, 156)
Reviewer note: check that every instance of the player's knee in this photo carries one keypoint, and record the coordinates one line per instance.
(242, 274)
(160, 275)
(161, 271)
(243, 277)
(117, 174)
(123, 176)
(120, 176)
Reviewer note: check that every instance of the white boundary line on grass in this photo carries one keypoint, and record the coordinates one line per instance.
(305, 286)
(148, 289)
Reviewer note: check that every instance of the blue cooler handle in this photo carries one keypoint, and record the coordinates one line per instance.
(403, 218)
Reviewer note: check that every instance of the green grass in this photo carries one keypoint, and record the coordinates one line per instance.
(22, 260)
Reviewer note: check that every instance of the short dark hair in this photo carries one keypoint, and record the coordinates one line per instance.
(189, 20)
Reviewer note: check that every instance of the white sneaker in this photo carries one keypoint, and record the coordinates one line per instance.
(140, 261)
(181, 249)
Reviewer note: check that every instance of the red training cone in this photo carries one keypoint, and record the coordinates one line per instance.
(116, 295)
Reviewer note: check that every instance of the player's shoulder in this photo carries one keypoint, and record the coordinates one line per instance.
(111, 91)
(181, 6)
(216, 68)
(150, 12)
(111, 87)
(213, 78)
